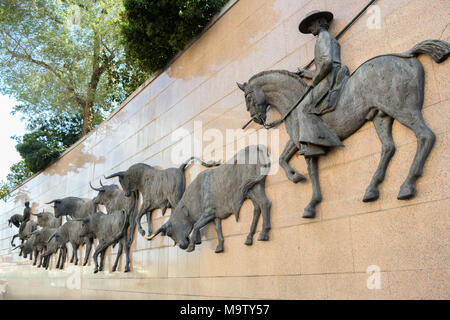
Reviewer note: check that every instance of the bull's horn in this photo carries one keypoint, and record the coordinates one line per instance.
(85, 219)
(52, 201)
(53, 236)
(37, 215)
(241, 86)
(101, 182)
(96, 189)
(117, 174)
(156, 233)
(20, 246)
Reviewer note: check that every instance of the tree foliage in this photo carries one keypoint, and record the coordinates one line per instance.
(61, 56)
(155, 30)
(62, 60)
(19, 172)
(48, 138)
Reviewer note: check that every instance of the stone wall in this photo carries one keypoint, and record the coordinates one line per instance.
(324, 258)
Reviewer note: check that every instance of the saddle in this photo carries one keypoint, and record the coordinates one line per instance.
(334, 93)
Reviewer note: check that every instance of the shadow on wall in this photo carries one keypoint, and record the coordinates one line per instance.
(73, 161)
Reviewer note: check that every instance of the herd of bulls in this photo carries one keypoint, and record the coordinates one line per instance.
(213, 195)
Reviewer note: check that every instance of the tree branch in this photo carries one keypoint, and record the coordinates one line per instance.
(28, 58)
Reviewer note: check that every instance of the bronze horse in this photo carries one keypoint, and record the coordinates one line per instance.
(382, 89)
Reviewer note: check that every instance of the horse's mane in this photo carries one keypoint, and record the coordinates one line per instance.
(284, 72)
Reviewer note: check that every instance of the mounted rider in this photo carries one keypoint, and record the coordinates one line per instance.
(26, 216)
(327, 80)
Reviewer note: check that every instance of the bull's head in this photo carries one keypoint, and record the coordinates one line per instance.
(29, 245)
(58, 206)
(256, 103)
(178, 227)
(105, 193)
(124, 182)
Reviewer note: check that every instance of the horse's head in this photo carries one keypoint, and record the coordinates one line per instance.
(255, 100)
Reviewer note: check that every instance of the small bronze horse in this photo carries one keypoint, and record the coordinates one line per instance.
(382, 89)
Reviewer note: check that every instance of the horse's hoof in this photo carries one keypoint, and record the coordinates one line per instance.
(190, 248)
(95, 271)
(297, 177)
(309, 213)
(406, 192)
(113, 269)
(127, 269)
(371, 195)
(249, 241)
(219, 248)
(263, 236)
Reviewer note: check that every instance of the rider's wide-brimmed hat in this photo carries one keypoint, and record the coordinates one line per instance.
(311, 17)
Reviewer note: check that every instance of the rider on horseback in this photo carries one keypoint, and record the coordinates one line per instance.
(26, 216)
(327, 79)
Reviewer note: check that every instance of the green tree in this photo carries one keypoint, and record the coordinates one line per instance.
(19, 172)
(155, 30)
(61, 56)
(48, 138)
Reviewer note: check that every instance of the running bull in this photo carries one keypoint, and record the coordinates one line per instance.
(217, 193)
(161, 189)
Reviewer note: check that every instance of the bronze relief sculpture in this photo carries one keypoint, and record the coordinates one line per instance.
(318, 117)
(215, 194)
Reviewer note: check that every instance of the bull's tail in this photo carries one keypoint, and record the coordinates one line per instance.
(189, 161)
(438, 50)
(244, 189)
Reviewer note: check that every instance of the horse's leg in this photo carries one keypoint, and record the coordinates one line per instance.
(383, 125)
(313, 171)
(12, 240)
(289, 151)
(425, 141)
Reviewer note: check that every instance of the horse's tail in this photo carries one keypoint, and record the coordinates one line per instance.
(438, 50)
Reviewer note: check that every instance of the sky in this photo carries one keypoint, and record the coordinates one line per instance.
(9, 125)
